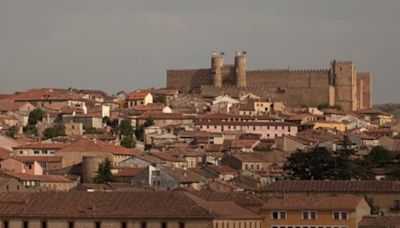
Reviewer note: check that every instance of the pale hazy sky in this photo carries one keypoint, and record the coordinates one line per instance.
(118, 45)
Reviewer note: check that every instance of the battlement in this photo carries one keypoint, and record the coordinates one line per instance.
(268, 86)
(186, 70)
(342, 62)
(287, 70)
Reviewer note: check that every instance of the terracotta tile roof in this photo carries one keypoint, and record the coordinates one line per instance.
(165, 156)
(86, 145)
(348, 203)
(161, 115)
(46, 94)
(183, 176)
(380, 222)
(4, 153)
(225, 209)
(149, 107)
(244, 143)
(222, 169)
(150, 158)
(42, 178)
(127, 172)
(138, 205)
(25, 159)
(269, 156)
(241, 123)
(137, 95)
(4, 181)
(240, 198)
(333, 186)
(10, 105)
(41, 146)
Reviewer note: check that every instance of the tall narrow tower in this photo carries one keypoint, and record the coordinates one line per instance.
(240, 67)
(217, 62)
(344, 73)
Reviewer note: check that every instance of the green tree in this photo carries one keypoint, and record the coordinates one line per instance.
(139, 132)
(35, 116)
(103, 174)
(55, 131)
(126, 128)
(93, 131)
(321, 163)
(160, 99)
(128, 142)
(379, 157)
(149, 122)
(314, 165)
(12, 132)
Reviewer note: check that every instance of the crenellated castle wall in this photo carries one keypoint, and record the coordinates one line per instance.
(340, 85)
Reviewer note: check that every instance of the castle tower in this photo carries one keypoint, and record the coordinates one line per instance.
(344, 77)
(240, 67)
(217, 62)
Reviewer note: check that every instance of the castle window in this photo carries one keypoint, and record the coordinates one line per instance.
(5, 224)
(70, 224)
(143, 225)
(44, 224)
(339, 215)
(181, 225)
(278, 215)
(309, 215)
(163, 225)
(25, 224)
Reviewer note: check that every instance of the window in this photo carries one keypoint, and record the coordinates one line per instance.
(181, 225)
(309, 215)
(70, 224)
(36, 152)
(163, 225)
(5, 224)
(143, 225)
(44, 224)
(278, 215)
(25, 224)
(97, 225)
(339, 215)
(123, 225)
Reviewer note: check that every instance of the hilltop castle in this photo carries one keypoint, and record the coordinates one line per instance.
(339, 85)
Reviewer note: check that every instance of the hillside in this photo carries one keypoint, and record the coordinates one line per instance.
(390, 108)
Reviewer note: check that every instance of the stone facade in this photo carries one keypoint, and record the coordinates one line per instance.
(340, 85)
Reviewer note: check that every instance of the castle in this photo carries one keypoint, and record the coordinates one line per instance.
(339, 85)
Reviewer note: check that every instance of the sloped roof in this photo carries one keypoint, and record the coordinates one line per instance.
(41, 146)
(244, 143)
(348, 203)
(137, 95)
(225, 209)
(147, 204)
(333, 186)
(86, 145)
(4, 153)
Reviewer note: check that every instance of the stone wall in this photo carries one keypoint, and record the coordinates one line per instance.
(364, 90)
(292, 96)
(304, 78)
(340, 85)
(189, 80)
